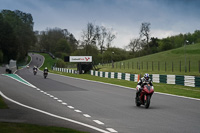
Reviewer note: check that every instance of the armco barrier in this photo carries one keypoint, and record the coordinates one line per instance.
(191, 81)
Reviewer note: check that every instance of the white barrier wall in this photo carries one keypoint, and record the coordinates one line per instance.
(189, 81)
(119, 76)
(171, 79)
(101, 74)
(96, 73)
(112, 75)
(156, 78)
(106, 74)
(127, 76)
(136, 78)
(92, 72)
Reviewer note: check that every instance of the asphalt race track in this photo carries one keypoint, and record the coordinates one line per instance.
(92, 106)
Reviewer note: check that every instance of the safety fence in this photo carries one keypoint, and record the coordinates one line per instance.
(191, 81)
(65, 70)
(157, 66)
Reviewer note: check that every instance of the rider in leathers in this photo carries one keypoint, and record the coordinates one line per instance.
(35, 68)
(143, 81)
(46, 69)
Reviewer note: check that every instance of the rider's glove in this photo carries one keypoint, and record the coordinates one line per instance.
(138, 87)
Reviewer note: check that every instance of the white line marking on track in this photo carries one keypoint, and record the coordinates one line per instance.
(70, 107)
(53, 115)
(86, 115)
(55, 98)
(78, 111)
(59, 101)
(64, 103)
(111, 130)
(98, 122)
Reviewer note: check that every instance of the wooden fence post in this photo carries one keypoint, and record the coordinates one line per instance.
(128, 65)
(189, 65)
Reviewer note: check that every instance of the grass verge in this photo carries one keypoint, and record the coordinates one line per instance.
(30, 128)
(2, 104)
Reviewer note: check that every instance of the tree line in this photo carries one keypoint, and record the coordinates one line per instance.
(17, 37)
(145, 45)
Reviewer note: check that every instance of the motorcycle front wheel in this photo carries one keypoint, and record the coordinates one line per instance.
(137, 101)
(147, 101)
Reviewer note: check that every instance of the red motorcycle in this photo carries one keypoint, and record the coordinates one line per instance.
(145, 96)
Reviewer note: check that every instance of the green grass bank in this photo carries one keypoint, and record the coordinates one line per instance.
(168, 62)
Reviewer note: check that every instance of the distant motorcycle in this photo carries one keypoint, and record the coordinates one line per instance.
(35, 72)
(45, 74)
(145, 96)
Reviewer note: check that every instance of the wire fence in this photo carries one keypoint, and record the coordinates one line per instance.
(157, 66)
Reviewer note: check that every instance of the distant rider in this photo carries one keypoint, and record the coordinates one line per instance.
(35, 68)
(46, 69)
(143, 81)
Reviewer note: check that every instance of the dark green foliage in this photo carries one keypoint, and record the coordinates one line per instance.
(60, 63)
(16, 34)
(56, 41)
(3, 104)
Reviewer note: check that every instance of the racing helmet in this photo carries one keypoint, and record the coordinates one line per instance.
(45, 68)
(146, 76)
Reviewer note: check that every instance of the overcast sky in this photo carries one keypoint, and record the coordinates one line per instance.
(167, 17)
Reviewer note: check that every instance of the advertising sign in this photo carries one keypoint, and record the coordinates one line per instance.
(80, 59)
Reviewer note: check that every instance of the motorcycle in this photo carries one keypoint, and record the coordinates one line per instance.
(144, 96)
(35, 72)
(45, 74)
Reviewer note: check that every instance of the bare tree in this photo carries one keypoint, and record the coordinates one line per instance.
(144, 31)
(134, 45)
(89, 36)
(110, 37)
(102, 34)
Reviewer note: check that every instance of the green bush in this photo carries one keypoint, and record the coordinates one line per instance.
(60, 63)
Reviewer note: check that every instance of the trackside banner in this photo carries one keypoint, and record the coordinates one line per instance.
(80, 59)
